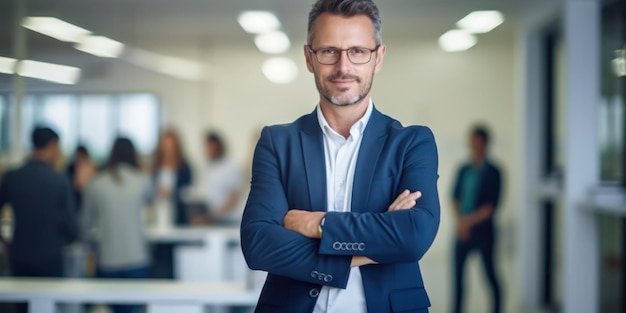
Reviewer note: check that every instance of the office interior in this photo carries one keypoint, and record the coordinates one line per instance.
(549, 82)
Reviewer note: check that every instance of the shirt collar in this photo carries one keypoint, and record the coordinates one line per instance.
(356, 130)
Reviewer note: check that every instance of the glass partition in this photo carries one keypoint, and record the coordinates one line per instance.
(611, 111)
(92, 120)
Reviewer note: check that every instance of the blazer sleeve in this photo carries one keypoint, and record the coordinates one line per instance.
(398, 236)
(270, 247)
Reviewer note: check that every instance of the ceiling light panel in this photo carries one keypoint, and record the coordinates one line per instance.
(456, 40)
(55, 28)
(61, 74)
(7, 65)
(257, 22)
(280, 70)
(100, 46)
(479, 22)
(172, 66)
(273, 42)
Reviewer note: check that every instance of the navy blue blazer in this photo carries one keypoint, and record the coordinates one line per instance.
(289, 171)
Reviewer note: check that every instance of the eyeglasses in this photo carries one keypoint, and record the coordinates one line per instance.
(356, 55)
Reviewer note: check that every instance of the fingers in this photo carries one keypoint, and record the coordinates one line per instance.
(406, 200)
(395, 203)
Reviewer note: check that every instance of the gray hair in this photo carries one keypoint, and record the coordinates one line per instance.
(346, 8)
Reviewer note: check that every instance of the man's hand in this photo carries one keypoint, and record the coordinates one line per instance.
(361, 260)
(304, 222)
(406, 200)
(463, 229)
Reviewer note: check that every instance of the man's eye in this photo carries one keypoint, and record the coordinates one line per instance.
(357, 51)
(329, 51)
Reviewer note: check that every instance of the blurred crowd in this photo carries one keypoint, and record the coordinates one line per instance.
(106, 209)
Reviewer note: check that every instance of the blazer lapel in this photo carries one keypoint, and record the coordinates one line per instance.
(314, 162)
(374, 138)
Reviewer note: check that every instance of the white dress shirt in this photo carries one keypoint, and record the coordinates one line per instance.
(341, 156)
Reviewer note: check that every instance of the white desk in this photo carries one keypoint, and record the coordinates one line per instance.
(212, 257)
(191, 234)
(159, 295)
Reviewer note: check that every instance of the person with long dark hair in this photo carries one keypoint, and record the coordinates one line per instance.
(112, 205)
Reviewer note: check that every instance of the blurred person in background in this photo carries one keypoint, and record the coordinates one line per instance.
(476, 195)
(171, 175)
(80, 171)
(224, 181)
(44, 217)
(112, 216)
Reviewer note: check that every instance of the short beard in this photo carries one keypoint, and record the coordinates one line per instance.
(363, 92)
(334, 100)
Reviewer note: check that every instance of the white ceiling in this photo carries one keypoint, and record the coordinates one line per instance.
(205, 23)
(215, 20)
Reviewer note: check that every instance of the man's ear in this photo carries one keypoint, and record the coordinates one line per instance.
(380, 55)
(308, 58)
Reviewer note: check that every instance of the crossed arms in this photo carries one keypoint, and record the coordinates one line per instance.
(309, 224)
(288, 243)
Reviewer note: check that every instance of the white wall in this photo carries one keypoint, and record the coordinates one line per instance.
(419, 84)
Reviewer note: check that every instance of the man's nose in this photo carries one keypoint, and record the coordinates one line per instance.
(344, 61)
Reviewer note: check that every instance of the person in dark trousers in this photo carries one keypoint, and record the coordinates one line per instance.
(343, 201)
(44, 217)
(476, 195)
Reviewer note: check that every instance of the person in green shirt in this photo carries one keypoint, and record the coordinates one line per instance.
(475, 196)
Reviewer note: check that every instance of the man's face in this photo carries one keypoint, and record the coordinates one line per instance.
(81, 156)
(212, 150)
(344, 83)
(477, 147)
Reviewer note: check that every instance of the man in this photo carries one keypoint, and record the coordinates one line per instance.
(343, 201)
(223, 182)
(43, 210)
(476, 195)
